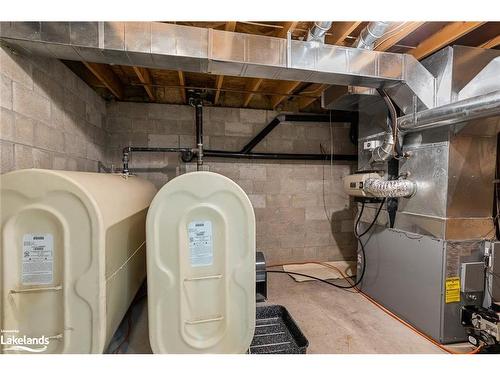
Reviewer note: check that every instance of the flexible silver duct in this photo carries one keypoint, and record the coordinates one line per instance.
(389, 188)
(481, 106)
(318, 31)
(370, 34)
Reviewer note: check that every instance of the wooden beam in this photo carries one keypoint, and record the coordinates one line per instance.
(399, 35)
(443, 37)
(218, 84)
(340, 31)
(230, 26)
(306, 101)
(253, 85)
(182, 83)
(492, 43)
(287, 26)
(145, 78)
(287, 87)
(108, 78)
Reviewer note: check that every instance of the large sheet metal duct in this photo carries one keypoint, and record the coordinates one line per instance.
(354, 97)
(175, 47)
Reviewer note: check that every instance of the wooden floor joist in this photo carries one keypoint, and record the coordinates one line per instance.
(340, 31)
(394, 38)
(492, 43)
(287, 87)
(442, 38)
(108, 78)
(253, 85)
(306, 101)
(145, 78)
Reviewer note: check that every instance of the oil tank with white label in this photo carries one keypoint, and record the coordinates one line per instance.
(72, 257)
(201, 266)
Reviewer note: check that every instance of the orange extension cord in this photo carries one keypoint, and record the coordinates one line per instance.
(442, 347)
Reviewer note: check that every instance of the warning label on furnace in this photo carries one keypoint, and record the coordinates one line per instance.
(38, 259)
(452, 290)
(200, 243)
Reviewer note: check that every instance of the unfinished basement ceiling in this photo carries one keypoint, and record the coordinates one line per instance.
(126, 83)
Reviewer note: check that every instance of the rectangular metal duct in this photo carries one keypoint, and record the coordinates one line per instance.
(174, 47)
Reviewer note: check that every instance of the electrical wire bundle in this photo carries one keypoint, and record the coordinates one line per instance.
(362, 249)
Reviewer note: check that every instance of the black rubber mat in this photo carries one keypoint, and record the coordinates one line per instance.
(277, 333)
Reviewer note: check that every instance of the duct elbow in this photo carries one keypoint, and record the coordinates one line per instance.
(384, 151)
(318, 31)
(371, 34)
(389, 188)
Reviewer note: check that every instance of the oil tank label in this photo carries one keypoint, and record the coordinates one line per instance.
(38, 259)
(200, 243)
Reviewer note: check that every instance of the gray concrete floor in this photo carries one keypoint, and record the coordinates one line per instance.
(333, 320)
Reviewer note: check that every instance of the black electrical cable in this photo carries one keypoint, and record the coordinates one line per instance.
(311, 277)
(373, 222)
(363, 253)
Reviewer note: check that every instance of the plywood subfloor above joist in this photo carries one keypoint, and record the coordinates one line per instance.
(129, 83)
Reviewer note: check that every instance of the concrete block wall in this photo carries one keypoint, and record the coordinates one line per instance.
(292, 213)
(49, 117)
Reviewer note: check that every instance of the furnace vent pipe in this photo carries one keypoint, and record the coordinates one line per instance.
(318, 31)
(389, 188)
(481, 106)
(370, 34)
(366, 40)
(384, 151)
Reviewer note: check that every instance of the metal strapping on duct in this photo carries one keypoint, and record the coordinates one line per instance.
(389, 189)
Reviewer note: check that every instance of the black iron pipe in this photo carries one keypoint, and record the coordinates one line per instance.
(199, 133)
(130, 149)
(199, 123)
(333, 116)
(261, 135)
(276, 156)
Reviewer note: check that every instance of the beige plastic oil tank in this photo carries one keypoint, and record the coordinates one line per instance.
(72, 257)
(200, 233)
